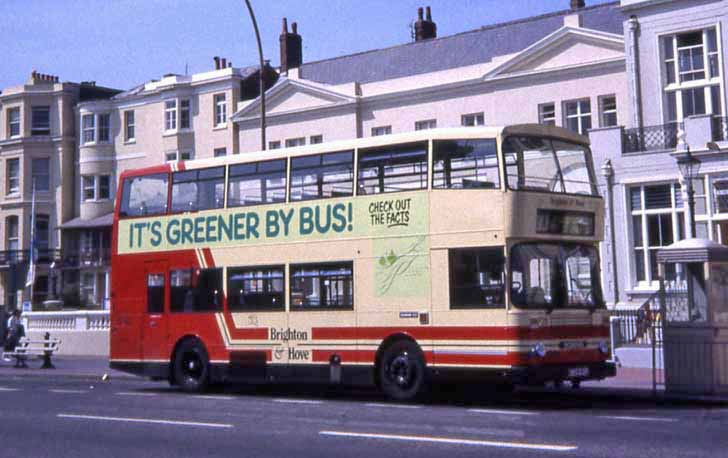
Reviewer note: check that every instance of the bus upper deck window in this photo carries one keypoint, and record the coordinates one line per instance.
(202, 189)
(465, 164)
(322, 175)
(393, 169)
(145, 195)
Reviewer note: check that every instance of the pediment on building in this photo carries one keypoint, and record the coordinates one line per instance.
(291, 96)
(568, 47)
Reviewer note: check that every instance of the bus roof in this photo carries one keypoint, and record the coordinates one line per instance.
(372, 142)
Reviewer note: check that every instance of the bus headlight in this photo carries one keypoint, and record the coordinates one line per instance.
(604, 347)
(539, 350)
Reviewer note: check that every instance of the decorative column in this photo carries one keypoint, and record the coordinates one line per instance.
(633, 71)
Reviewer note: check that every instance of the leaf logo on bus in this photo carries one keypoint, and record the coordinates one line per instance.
(388, 260)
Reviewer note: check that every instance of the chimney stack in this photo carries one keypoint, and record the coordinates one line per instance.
(576, 4)
(223, 62)
(291, 47)
(425, 29)
(217, 62)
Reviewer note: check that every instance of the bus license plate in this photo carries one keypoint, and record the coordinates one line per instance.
(579, 372)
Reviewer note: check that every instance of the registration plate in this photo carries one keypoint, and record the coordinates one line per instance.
(579, 372)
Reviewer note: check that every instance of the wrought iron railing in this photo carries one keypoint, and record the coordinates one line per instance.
(651, 138)
(94, 257)
(720, 128)
(43, 256)
(635, 325)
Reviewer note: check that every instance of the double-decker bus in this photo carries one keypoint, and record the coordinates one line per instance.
(467, 252)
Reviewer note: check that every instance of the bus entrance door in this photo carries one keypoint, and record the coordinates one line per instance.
(154, 323)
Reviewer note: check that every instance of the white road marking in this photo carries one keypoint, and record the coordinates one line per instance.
(394, 406)
(146, 420)
(2, 388)
(133, 393)
(503, 412)
(447, 440)
(212, 396)
(631, 418)
(69, 391)
(297, 401)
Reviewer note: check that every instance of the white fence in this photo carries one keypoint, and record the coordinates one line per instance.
(74, 320)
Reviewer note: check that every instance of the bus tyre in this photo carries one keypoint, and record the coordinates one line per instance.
(192, 366)
(402, 370)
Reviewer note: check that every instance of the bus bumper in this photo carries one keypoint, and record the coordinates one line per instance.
(536, 375)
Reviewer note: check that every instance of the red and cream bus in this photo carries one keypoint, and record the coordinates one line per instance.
(385, 260)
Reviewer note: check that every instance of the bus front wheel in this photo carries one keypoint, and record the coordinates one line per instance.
(402, 370)
(192, 366)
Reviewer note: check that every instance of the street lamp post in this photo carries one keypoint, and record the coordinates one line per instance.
(261, 76)
(689, 167)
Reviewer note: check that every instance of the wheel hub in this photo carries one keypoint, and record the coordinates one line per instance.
(400, 370)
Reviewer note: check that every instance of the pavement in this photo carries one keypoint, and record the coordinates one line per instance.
(630, 383)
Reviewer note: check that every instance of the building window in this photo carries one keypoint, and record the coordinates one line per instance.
(547, 114)
(256, 288)
(41, 169)
(426, 124)
(96, 187)
(322, 176)
(275, 144)
(657, 221)
(220, 110)
(200, 189)
(315, 139)
(220, 152)
(11, 233)
(40, 121)
(174, 156)
(170, 115)
(129, 126)
(104, 127)
(577, 116)
(13, 174)
(381, 130)
(88, 127)
(13, 122)
(608, 111)
(477, 278)
(104, 186)
(472, 119)
(291, 142)
(184, 114)
(691, 65)
(257, 183)
(393, 169)
(322, 287)
(195, 290)
(42, 235)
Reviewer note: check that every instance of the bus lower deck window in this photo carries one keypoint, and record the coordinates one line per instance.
(324, 286)
(477, 278)
(195, 290)
(256, 288)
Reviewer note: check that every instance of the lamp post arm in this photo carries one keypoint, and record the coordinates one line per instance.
(261, 76)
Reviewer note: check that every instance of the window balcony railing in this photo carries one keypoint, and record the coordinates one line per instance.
(651, 138)
(720, 128)
(44, 256)
(87, 257)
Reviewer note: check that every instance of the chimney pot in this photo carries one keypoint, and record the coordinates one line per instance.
(576, 4)
(428, 14)
(294, 28)
(230, 64)
(217, 62)
(223, 62)
(285, 25)
(419, 13)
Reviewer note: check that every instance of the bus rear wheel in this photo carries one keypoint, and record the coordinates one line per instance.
(192, 366)
(402, 371)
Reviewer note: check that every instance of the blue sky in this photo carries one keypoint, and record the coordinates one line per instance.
(121, 43)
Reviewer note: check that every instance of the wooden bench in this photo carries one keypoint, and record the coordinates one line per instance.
(39, 348)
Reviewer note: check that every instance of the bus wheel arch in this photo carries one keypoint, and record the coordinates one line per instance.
(400, 367)
(190, 364)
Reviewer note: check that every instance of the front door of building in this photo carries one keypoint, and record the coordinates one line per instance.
(154, 322)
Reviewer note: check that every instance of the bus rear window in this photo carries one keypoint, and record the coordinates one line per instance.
(144, 196)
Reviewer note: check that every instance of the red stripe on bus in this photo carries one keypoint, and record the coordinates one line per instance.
(353, 356)
(462, 332)
(209, 260)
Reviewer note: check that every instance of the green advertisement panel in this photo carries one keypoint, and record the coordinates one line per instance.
(393, 215)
